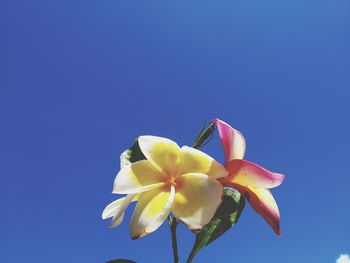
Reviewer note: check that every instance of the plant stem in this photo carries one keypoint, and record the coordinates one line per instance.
(173, 224)
(190, 258)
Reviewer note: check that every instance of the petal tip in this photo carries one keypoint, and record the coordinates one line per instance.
(138, 235)
(103, 216)
(282, 176)
(135, 237)
(279, 178)
(215, 121)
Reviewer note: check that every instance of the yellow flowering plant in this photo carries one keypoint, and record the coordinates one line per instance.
(181, 184)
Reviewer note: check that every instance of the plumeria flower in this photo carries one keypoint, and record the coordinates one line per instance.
(250, 179)
(181, 181)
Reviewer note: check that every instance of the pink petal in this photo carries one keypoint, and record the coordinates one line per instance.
(262, 202)
(248, 173)
(232, 141)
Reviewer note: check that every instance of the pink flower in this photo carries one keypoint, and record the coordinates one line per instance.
(248, 178)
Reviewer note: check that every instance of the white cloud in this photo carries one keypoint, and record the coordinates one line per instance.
(343, 259)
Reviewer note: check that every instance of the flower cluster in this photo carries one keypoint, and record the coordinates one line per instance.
(188, 184)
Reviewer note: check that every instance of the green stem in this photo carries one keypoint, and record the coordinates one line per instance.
(173, 224)
(191, 257)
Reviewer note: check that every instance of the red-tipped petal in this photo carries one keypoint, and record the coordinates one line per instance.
(232, 141)
(262, 202)
(247, 173)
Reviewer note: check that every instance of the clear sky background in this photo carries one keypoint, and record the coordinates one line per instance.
(79, 80)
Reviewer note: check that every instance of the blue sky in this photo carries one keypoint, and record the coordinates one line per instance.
(79, 80)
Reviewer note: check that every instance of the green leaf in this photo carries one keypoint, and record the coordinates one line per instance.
(204, 136)
(131, 155)
(225, 217)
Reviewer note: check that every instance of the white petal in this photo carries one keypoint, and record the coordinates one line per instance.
(117, 208)
(196, 161)
(138, 177)
(150, 212)
(196, 200)
(163, 153)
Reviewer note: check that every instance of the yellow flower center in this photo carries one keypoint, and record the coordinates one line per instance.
(172, 180)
